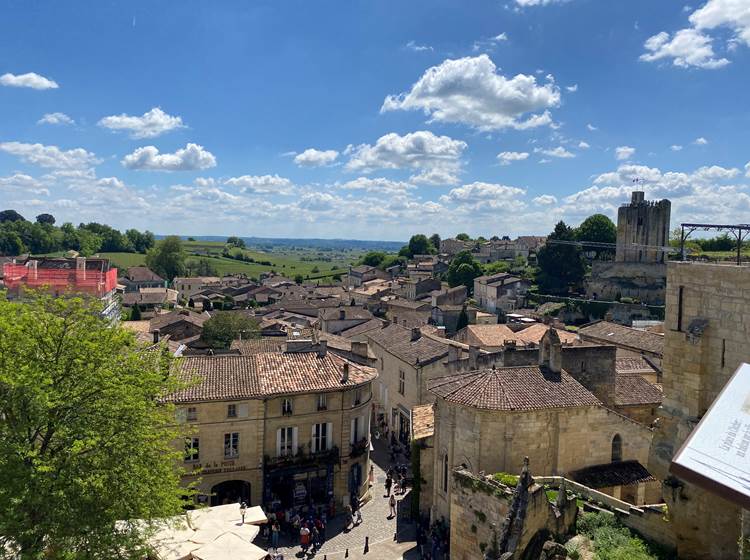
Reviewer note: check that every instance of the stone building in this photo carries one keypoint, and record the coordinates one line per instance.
(277, 428)
(500, 292)
(630, 342)
(706, 340)
(490, 419)
(639, 269)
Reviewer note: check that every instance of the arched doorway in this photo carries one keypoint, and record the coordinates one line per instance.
(616, 448)
(230, 492)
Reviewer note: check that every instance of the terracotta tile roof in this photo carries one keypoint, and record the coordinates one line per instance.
(620, 335)
(398, 341)
(362, 269)
(160, 321)
(621, 473)
(634, 365)
(491, 335)
(632, 389)
(349, 312)
(535, 333)
(258, 345)
(423, 421)
(408, 304)
(373, 323)
(142, 274)
(217, 378)
(513, 388)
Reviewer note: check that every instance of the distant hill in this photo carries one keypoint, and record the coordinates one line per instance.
(353, 244)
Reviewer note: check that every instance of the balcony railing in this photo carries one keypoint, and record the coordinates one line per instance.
(359, 448)
(303, 457)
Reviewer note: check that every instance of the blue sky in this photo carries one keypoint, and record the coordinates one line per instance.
(372, 120)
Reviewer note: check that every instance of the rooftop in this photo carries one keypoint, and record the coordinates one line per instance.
(620, 473)
(535, 333)
(263, 375)
(423, 421)
(398, 341)
(349, 313)
(362, 328)
(631, 389)
(491, 335)
(259, 345)
(161, 321)
(513, 388)
(142, 274)
(620, 335)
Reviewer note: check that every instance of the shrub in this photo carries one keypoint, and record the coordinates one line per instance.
(506, 478)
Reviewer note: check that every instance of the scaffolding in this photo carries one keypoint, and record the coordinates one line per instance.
(739, 231)
(67, 275)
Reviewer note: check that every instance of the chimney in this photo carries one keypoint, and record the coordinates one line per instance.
(416, 334)
(157, 336)
(359, 349)
(473, 356)
(453, 353)
(342, 314)
(345, 373)
(322, 348)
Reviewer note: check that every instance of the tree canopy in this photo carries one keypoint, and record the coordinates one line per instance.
(84, 442)
(167, 258)
(11, 216)
(45, 219)
(225, 326)
(463, 237)
(236, 241)
(561, 267)
(598, 228)
(435, 241)
(462, 271)
(418, 245)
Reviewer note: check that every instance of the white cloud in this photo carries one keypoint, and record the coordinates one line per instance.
(489, 44)
(316, 158)
(624, 152)
(30, 80)
(700, 141)
(558, 152)
(378, 185)
(573, 88)
(506, 158)
(437, 176)
(747, 169)
(420, 150)
(55, 118)
(591, 127)
(413, 46)
(258, 184)
(584, 145)
(190, 158)
(733, 14)
(24, 183)
(688, 47)
(675, 147)
(526, 3)
(545, 200)
(482, 198)
(471, 91)
(149, 125)
(50, 156)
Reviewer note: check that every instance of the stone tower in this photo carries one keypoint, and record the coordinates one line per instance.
(642, 223)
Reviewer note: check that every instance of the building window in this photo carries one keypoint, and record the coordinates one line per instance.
(321, 437)
(231, 445)
(192, 414)
(322, 401)
(231, 411)
(192, 447)
(286, 407)
(285, 441)
(445, 472)
(616, 448)
(357, 396)
(401, 382)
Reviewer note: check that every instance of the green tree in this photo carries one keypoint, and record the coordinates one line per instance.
(225, 326)
(298, 279)
(11, 216)
(45, 219)
(84, 442)
(463, 237)
(435, 241)
(201, 267)
(496, 267)
(418, 245)
(561, 266)
(463, 319)
(11, 244)
(462, 271)
(236, 241)
(167, 258)
(600, 229)
(373, 258)
(135, 313)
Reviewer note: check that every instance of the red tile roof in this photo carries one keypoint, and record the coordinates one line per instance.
(218, 378)
(605, 332)
(513, 388)
(631, 389)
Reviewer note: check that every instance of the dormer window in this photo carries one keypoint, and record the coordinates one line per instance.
(286, 407)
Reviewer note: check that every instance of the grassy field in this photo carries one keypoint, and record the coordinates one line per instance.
(285, 261)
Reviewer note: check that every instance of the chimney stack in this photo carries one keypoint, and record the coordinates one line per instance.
(359, 349)
(416, 334)
(473, 356)
(345, 373)
(157, 336)
(322, 348)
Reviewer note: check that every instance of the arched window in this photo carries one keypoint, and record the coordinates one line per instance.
(445, 472)
(616, 448)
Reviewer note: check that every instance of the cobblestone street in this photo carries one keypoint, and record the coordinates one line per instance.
(389, 539)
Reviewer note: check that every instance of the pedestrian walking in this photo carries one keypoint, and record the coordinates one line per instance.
(388, 484)
(372, 475)
(304, 538)
(275, 534)
(359, 516)
(392, 504)
(349, 516)
(243, 511)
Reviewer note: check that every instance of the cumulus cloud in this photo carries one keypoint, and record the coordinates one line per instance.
(437, 176)
(413, 46)
(558, 152)
(149, 125)
(506, 158)
(421, 150)
(316, 158)
(545, 200)
(471, 91)
(29, 80)
(693, 46)
(190, 158)
(700, 141)
(55, 118)
(23, 183)
(379, 185)
(50, 156)
(624, 152)
(584, 145)
(675, 147)
(747, 169)
(259, 184)
(480, 197)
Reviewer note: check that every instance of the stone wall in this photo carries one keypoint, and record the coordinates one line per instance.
(638, 280)
(593, 367)
(695, 368)
(642, 228)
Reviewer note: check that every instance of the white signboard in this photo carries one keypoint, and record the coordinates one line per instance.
(716, 456)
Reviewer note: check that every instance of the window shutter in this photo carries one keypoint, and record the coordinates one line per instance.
(312, 439)
(278, 442)
(294, 441)
(329, 435)
(180, 415)
(351, 430)
(243, 410)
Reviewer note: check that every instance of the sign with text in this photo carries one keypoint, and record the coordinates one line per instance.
(716, 456)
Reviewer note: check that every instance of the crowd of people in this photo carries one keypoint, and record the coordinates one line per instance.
(309, 526)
